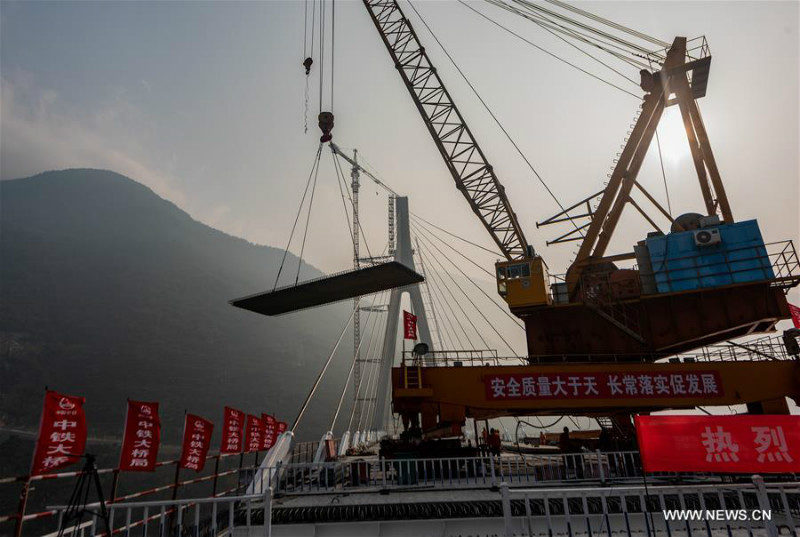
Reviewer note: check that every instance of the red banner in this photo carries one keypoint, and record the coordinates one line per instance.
(270, 428)
(694, 384)
(254, 434)
(141, 438)
(282, 426)
(196, 441)
(232, 431)
(795, 311)
(62, 433)
(720, 444)
(409, 325)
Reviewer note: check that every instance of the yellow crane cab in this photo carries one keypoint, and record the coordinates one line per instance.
(524, 282)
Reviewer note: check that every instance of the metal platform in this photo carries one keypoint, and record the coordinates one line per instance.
(329, 289)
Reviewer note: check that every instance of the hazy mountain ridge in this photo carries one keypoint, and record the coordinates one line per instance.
(109, 291)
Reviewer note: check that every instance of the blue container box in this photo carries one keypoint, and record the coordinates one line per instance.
(681, 265)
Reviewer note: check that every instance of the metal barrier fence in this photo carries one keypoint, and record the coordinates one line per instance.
(216, 481)
(464, 472)
(687, 510)
(196, 517)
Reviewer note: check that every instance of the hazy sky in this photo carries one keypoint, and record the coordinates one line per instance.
(204, 103)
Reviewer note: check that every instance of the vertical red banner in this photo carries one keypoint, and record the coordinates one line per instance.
(196, 441)
(409, 325)
(232, 431)
(795, 312)
(62, 433)
(253, 434)
(141, 438)
(282, 426)
(270, 428)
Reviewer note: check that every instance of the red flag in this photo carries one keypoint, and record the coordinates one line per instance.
(270, 427)
(62, 433)
(196, 441)
(282, 426)
(720, 444)
(409, 325)
(253, 434)
(232, 431)
(141, 438)
(795, 311)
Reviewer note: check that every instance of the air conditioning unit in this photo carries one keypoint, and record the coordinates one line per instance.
(707, 237)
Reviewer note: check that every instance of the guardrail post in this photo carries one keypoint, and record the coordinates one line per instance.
(763, 503)
(23, 503)
(494, 477)
(268, 512)
(600, 466)
(508, 520)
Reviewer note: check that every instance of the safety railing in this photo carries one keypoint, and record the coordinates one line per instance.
(776, 262)
(198, 517)
(524, 470)
(223, 475)
(746, 509)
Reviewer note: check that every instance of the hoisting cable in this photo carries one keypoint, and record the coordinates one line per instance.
(308, 61)
(322, 372)
(497, 121)
(555, 29)
(617, 26)
(582, 70)
(308, 218)
(545, 22)
(612, 37)
(314, 167)
(353, 364)
(663, 173)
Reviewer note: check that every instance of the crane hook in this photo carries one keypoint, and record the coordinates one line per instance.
(326, 126)
(307, 64)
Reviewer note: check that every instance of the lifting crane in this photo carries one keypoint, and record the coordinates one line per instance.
(601, 314)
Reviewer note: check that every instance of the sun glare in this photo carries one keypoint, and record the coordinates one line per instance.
(674, 145)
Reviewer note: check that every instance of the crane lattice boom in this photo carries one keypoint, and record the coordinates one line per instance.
(467, 163)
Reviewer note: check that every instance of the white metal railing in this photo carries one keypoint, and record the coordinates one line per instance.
(773, 509)
(196, 517)
(484, 471)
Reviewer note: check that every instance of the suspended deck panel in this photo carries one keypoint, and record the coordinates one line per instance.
(329, 289)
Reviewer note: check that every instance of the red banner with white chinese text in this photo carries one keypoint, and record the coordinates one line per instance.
(574, 385)
(62, 433)
(720, 444)
(196, 441)
(270, 428)
(282, 426)
(141, 437)
(232, 427)
(795, 312)
(409, 325)
(253, 434)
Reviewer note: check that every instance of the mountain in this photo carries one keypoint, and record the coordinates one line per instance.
(111, 292)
